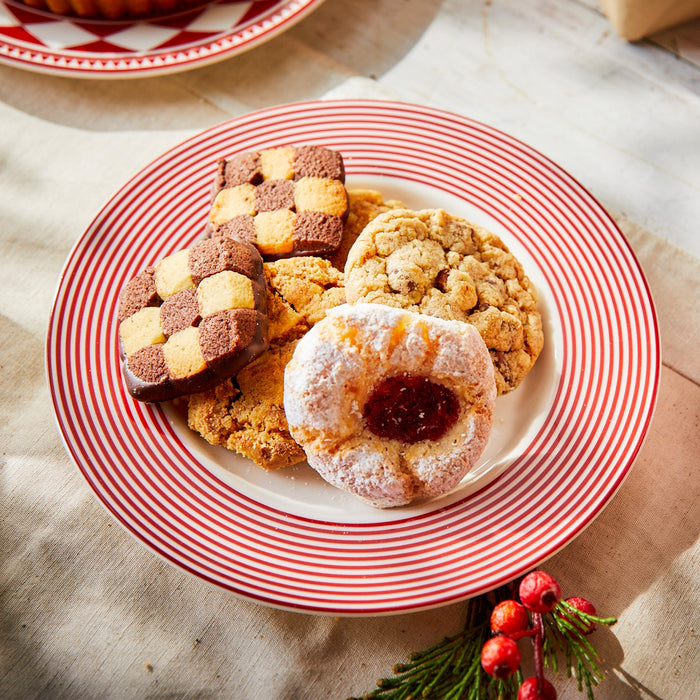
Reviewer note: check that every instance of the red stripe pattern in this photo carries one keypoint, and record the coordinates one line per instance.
(602, 333)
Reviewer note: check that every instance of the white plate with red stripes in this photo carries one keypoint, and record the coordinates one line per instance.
(89, 48)
(562, 444)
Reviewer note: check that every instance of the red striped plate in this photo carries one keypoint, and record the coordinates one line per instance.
(562, 443)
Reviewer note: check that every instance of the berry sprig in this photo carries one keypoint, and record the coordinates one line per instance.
(483, 661)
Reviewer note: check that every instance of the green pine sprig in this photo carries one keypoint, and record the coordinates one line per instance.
(451, 669)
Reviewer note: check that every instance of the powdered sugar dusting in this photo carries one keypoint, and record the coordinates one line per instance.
(334, 370)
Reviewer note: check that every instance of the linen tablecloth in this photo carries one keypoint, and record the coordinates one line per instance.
(87, 612)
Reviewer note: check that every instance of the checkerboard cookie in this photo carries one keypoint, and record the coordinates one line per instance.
(435, 263)
(287, 201)
(195, 318)
(246, 414)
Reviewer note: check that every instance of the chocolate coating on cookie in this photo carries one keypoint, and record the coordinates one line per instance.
(207, 319)
(288, 201)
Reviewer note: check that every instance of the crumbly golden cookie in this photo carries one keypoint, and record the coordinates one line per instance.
(287, 201)
(434, 263)
(195, 318)
(246, 414)
(308, 285)
(388, 404)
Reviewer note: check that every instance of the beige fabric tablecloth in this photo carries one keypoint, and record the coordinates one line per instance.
(87, 612)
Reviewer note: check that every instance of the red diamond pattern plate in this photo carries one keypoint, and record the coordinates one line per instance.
(46, 42)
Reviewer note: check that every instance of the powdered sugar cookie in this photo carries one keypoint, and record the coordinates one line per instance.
(390, 405)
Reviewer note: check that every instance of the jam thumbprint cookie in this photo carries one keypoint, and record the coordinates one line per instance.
(388, 404)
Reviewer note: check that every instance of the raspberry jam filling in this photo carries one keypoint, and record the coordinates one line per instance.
(411, 409)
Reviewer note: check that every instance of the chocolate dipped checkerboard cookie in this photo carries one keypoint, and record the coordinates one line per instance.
(245, 413)
(435, 263)
(192, 320)
(287, 201)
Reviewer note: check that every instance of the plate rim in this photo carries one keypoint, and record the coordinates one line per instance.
(546, 553)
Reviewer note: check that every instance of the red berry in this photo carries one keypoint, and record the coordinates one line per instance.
(585, 627)
(500, 657)
(539, 592)
(509, 617)
(529, 690)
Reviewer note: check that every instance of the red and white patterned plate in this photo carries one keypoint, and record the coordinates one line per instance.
(562, 443)
(74, 47)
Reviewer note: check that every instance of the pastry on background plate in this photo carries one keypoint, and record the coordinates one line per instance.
(113, 9)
